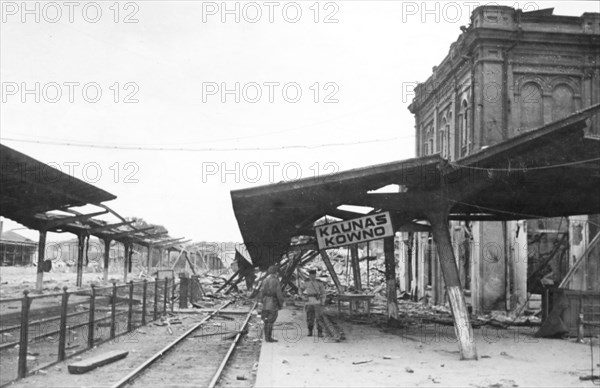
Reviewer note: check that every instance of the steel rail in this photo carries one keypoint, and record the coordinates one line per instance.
(137, 371)
(217, 375)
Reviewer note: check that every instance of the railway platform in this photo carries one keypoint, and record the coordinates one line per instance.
(373, 355)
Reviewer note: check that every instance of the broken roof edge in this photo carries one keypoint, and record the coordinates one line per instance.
(563, 124)
(337, 176)
(59, 175)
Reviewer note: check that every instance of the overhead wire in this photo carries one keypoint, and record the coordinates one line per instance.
(134, 147)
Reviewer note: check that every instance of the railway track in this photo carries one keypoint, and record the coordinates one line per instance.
(200, 357)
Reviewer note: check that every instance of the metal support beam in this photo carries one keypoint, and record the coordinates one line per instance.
(40, 264)
(331, 270)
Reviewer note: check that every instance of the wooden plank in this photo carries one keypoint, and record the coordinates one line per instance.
(332, 273)
(94, 362)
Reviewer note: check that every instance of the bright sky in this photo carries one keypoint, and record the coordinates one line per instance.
(162, 78)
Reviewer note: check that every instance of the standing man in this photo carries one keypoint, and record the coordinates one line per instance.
(272, 301)
(314, 290)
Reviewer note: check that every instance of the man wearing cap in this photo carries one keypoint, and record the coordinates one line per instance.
(272, 301)
(314, 290)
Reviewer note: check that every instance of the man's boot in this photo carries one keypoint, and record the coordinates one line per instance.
(320, 333)
(271, 339)
(266, 330)
(310, 329)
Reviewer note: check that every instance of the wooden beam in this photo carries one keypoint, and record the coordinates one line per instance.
(289, 271)
(311, 246)
(228, 281)
(40, 264)
(129, 261)
(173, 243)
(462, 326)
(115, 236)
(154, 235)
(163, 243)
(149, 258)
(125, 266)
(355, 267)
(177, 258)
(80, 247)
(192, 265)
(108, 227)
(344, 214)
(413, 227)
(54, 222)
(390, 277)
(106, 258)
(331, 270)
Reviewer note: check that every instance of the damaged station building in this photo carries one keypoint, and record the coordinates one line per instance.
(499, 208)
(508, 73)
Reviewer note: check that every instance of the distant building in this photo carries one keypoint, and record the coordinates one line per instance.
(507, 73)
(16, 250)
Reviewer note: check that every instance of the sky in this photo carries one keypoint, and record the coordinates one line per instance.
(170, 105)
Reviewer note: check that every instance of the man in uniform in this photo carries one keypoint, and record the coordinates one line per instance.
(314, 290)
(272, 301)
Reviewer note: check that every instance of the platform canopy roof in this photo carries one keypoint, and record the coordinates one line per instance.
(547, 172)
(30, 187)
(41, 197)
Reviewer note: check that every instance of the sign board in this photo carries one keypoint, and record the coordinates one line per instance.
(357, 230)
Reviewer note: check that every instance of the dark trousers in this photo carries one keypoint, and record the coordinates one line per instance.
(269, 317)
(313, 312)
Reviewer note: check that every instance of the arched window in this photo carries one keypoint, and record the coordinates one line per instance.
(531, 105)
(428, 140)
(464, 124)
(443, 137)
(562, 102)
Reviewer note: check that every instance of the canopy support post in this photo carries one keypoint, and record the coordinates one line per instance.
(462, 326)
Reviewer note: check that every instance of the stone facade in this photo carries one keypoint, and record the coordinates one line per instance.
(507, 73)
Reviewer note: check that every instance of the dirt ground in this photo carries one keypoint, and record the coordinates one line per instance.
(422, 356)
